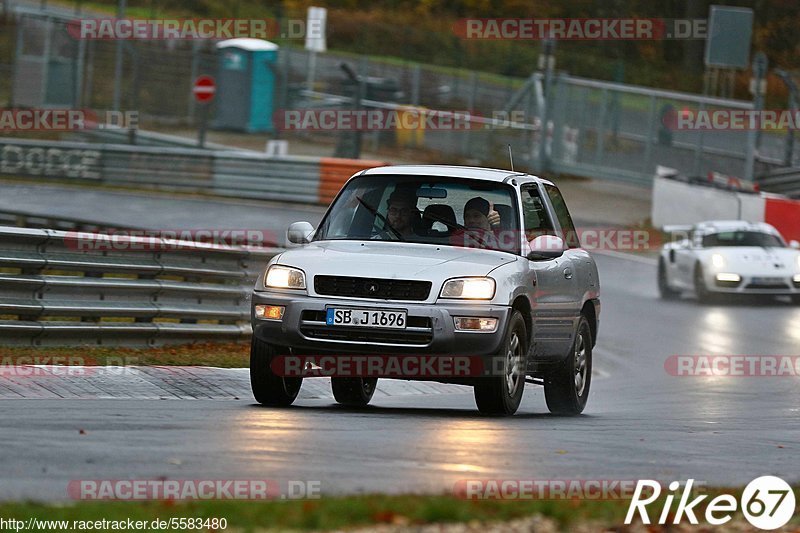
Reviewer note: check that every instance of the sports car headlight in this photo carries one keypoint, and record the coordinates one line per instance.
(469, 288)
(281, 277)
(718, 261)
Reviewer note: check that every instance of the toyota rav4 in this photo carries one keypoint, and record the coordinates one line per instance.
(434, 261)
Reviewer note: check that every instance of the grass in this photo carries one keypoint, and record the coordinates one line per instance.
(229, 355)
(359, 511)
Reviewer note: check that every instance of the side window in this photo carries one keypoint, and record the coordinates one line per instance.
(564, 218)
(534, 214)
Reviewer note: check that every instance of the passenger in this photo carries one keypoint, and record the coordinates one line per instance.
(481, 224)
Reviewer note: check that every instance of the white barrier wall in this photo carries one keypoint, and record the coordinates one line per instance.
(676, 202)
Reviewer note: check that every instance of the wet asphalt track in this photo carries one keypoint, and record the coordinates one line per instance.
(640, 422)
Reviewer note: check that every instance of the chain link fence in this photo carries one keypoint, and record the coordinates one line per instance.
(589, 128)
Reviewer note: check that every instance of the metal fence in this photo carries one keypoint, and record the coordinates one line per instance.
(586, 127)
(68, 288)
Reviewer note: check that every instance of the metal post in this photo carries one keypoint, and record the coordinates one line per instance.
(547, 63)
(195, 72)
(651, 126)
(118, 62)
(415, 82)
(760, 64)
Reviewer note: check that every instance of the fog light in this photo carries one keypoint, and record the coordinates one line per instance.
(269, 312)
(730, 278)
(486, 325)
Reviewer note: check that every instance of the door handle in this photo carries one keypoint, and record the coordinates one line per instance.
(568, 273)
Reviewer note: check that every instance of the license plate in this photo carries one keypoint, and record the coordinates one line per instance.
(366, 318)
(769, 281)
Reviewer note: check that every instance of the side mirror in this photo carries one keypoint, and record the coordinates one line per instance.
(795, 245)
(300, 233)
(546, 247)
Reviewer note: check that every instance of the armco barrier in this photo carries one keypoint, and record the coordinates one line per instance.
(334, 172)
(233, 173)
(70, 288)
(681, 203)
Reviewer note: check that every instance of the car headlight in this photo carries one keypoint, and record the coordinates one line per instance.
(469, 288)
(718, 261)
(281, 277)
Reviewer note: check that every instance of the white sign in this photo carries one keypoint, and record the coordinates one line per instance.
(316, 38)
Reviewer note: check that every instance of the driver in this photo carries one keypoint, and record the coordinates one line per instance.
(403, 213)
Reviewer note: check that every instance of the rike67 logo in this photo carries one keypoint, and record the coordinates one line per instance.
(767, 502)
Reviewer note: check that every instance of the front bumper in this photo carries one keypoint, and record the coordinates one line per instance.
(757, 285)
(430, 330)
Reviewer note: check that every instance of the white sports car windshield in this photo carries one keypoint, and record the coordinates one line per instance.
(742, 238)
(430, 210)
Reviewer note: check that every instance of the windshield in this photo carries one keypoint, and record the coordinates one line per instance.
(742, 238)
(423, 209)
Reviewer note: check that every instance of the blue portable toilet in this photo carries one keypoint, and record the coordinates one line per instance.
(245, 85)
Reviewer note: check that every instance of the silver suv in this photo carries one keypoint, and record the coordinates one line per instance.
(440, 262)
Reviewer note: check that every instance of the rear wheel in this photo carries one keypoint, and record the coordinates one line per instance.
(566, 389)
(355, 392)
(501, 395)
(268, 387)
(664, 289)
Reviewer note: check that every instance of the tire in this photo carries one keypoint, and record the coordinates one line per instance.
(354, 392)
(269, 388)
(564, 393)
(704, 296)
(501, 395)
(664, 289)
(796, 299)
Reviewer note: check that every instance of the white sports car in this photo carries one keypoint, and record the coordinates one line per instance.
(729, 257)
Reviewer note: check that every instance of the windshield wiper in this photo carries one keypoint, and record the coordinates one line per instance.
(380, 216)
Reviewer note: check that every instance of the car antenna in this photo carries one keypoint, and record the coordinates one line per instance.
(511, 157)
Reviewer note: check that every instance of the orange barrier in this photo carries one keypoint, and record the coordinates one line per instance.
(334, 172)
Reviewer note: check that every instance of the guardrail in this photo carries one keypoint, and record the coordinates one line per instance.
(782, 181)
(71, 288)
(231, 173)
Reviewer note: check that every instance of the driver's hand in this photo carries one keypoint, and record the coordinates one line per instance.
(493, 217)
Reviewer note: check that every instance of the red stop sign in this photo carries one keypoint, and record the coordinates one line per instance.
(204, 89)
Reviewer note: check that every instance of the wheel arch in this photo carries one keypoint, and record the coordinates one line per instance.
(590, 313)
(523, 305)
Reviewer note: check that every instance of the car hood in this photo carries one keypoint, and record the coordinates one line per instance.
(371, 259)
(754, 260)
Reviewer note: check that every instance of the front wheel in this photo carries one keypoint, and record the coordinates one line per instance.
(354, 392)
(666, 292)
(700, 288)
(796, 299)
(566, 389)
(501, 395)
(268, 387)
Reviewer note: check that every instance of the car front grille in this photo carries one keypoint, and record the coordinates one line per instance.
(372, 288)
(418, 331)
